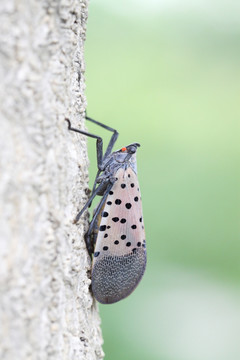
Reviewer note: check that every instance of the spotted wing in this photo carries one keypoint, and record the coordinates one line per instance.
(120, 255)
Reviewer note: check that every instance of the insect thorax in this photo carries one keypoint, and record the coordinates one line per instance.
(116, 161)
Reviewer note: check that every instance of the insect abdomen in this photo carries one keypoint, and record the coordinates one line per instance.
(115, 277)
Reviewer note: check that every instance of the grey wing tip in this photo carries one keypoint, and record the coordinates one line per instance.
(115, 277)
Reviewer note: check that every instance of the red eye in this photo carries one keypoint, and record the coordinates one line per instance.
(123, 149)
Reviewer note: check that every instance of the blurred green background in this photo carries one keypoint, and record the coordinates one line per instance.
(167, 75)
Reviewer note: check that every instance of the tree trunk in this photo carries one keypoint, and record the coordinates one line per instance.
(47, 311)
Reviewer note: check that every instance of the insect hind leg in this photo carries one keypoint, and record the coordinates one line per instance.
(91, 234)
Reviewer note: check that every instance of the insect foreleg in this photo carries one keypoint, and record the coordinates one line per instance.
(99, 143)
(113, 137)
(109, 147)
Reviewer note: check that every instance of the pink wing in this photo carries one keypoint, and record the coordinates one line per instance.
(120, 255)
(121, 228)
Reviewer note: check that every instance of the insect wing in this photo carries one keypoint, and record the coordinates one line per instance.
(120, 255)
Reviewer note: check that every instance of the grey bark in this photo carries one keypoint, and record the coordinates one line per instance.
(47, 311)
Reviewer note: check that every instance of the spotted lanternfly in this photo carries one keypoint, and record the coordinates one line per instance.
(116, 236)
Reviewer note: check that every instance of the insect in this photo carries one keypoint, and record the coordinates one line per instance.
(116, 236)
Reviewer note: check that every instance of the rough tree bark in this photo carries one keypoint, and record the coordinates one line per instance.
(47, 311)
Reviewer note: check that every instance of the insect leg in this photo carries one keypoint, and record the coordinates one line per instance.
(88, 239)
(98, 189)
(109, 147)
(99, 143)
(113, 138)
(100, 156)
